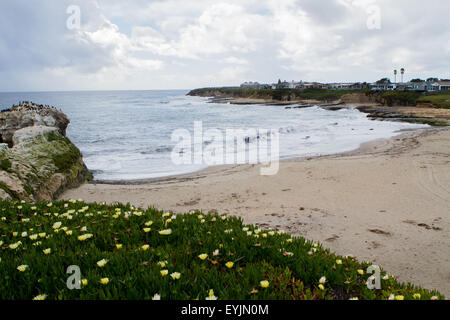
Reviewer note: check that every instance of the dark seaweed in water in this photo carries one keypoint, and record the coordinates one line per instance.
(158, 150)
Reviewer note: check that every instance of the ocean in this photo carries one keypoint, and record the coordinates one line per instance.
(126, 135)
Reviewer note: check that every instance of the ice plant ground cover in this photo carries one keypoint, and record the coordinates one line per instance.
(190, 256)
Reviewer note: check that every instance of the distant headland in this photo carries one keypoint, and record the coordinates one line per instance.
(417, 101)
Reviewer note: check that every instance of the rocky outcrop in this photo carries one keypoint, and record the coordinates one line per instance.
(27, 114)
(37, 160)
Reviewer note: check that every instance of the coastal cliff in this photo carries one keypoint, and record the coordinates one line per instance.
(413, 107)
(37, 160)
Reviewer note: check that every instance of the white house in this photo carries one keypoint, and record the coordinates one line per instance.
(442, 85)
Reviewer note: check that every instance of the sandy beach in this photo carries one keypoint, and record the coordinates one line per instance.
(387, 202)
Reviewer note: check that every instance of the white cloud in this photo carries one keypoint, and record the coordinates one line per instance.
(174, 44)
(235, 60)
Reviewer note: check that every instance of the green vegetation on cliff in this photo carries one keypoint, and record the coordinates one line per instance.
(389, 98)
(128, 253)
(277, 95)
(441, 100)
(41, 166)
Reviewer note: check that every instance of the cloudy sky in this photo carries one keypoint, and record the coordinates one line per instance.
(181, 44)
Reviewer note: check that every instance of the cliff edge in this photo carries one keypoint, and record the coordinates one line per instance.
(37, 160)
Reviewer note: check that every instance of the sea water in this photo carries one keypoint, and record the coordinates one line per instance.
(126, 135)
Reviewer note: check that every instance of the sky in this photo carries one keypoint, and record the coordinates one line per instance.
(59, 45)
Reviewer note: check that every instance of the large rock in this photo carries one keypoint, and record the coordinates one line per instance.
(28, 114)
(28, 134)
(42, 162)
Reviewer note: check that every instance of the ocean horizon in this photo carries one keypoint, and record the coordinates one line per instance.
(126, 135)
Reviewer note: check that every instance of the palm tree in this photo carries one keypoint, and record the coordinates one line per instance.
(395, 74)
(402, 71)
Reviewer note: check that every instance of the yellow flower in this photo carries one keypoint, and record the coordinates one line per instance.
(338, 261)
(203, 256)
(229, 265)
(84, 237)
(289, 240)
(104, 281)
(47, 251)
(361, 272)
(321, 287)
(102, 263)
(399, 298)
(145, 247)
(42, 235)
(417, 296)
(211, 295)
(15, 234)
(164, 272)
(22, 268)
(15, 245)
(175, 275)
(118, 246)
(84, 282)
(264, 284)
(33, 237)
(147, 230)
(165, 232)
(162, 264)
(69, 232)
(40, 297)
(148, 223)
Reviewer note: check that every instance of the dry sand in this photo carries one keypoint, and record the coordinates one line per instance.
(388, 202)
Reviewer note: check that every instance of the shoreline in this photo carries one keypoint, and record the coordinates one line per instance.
(385, 202)
(361, 149)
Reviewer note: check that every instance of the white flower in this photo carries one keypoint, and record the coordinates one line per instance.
(322, 280)
(102, 263)
(156, 297)
(57, 225)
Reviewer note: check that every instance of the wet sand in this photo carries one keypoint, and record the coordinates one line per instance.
(388, 202)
